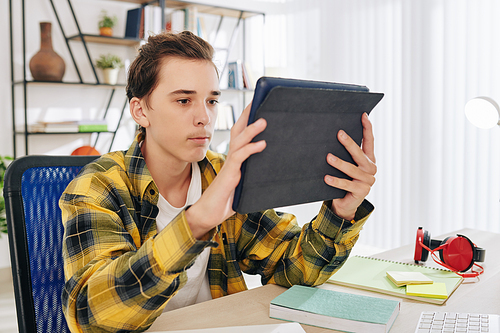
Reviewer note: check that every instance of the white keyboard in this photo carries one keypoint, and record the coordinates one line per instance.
(434, 322)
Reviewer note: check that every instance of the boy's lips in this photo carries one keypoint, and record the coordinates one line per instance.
(200, 139)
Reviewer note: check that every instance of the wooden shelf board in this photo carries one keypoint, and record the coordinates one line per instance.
(202, 8)
(105, 40)
(100, 85)
(58, 133)
(214, 10)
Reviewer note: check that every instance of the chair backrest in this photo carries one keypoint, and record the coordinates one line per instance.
(32, 188)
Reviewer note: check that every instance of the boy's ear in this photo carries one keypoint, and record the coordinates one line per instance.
(138, 113)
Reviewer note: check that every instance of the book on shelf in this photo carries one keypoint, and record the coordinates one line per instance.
(244, 74)
(369, 273)
(201, 28)
(191, 20)
(71, 126)
(235, 75)
(143, 22)
(248, 76)
(53, 127)
(231, 75)
(186, 19)
(225, 117)
(133, 25)
(175, 21)
(151, 21)
(141, 26)
(240, 75)
(335, 310)
(92, 126)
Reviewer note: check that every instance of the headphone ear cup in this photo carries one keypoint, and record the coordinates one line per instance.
(418, 255)
(459, 254)
(443, 252)
(427, 242)
(423, 237)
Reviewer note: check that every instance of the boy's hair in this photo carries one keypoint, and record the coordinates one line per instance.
(143, 73)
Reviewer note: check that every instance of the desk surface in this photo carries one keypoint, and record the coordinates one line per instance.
(252, 307)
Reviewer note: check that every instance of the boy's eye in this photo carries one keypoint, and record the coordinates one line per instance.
(183, 101)
(213, 101)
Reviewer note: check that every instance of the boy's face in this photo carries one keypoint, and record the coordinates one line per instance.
(183, 109)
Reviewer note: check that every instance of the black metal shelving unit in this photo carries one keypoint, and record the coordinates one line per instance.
(85, 39)
(25, 83)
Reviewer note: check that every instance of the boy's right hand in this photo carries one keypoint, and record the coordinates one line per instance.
(215, 205)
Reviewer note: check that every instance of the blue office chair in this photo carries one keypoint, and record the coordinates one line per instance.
(32, 188)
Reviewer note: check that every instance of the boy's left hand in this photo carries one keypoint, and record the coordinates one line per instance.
(362, 174)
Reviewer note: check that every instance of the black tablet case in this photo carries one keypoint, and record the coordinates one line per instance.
(303, 119)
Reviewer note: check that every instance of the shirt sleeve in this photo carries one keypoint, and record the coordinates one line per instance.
(118, 278)
(275, 247)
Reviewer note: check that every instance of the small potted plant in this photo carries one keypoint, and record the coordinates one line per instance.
(110, 65)
(106, 24)
(4, 162)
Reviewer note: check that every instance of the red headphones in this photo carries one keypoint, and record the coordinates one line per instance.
(458, 254)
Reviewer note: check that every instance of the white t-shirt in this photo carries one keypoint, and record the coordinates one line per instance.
(197, 288)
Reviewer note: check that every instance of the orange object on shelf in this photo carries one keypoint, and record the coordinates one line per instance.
(85, 150)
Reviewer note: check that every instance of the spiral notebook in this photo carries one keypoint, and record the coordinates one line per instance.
(370, 274)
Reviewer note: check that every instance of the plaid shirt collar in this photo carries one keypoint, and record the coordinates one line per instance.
(141, 178)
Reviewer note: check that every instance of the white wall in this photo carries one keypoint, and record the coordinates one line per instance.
(429, 57)
(5, 92)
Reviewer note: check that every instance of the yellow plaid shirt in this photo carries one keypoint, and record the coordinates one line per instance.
(120, 272)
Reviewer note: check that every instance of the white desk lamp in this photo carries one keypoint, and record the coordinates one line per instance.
(483, 112)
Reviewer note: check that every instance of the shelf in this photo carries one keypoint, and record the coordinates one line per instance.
(105, 40)
(100, 85)
(202, 8)
(238, 90)
(213, 10)
(57, 133)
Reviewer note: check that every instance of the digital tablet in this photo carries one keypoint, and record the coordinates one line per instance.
(303, 119)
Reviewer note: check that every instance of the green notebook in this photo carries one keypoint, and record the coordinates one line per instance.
(370, 274)
(335, 310)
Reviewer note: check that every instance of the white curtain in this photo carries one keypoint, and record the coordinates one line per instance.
(429, 57)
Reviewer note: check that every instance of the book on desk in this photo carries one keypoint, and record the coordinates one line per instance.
(335, 310)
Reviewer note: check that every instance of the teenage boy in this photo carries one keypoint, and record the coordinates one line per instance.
(152, 229)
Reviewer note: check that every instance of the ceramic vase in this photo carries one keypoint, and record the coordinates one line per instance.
(46, 64)
(110, 75)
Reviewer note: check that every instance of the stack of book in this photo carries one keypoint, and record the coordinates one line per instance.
(143, 22)
(186, 19)
(73, 126)
(240, 75)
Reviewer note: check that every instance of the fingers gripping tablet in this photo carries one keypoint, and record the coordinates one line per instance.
(303, 119)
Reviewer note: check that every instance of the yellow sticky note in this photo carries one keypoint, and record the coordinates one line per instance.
(434, 290)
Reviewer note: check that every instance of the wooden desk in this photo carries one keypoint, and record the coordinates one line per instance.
(252, 307)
